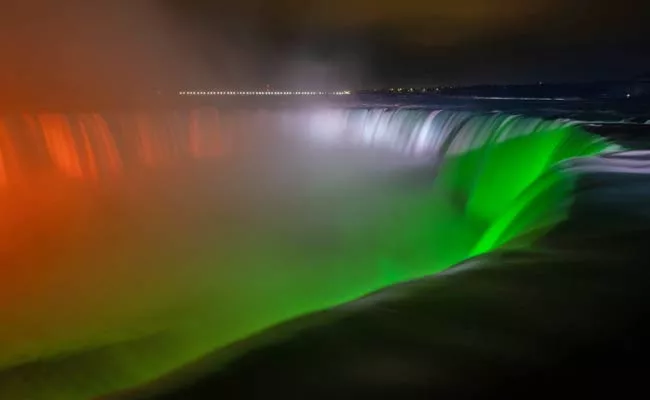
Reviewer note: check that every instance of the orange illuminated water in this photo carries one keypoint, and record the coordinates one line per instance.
(92, 146)
(89, 218)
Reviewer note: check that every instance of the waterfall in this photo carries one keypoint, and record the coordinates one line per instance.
(137, 278)
(93, 146)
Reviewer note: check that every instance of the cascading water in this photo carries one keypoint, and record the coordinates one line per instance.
(115, 274)
(90, 146)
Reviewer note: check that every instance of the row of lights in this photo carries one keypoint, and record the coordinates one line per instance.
(266, 93)
(411, 90)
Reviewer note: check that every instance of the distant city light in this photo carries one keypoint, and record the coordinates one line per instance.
(258, 93)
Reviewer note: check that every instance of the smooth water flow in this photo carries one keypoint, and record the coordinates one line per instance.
(132, 244)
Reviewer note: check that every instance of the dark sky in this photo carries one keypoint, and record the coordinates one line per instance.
(120, 45)
(440, 41)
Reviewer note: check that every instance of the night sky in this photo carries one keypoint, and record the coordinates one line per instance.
(441, 41)
(122, 45)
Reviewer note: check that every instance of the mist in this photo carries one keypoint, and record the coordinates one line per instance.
(92, 52)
